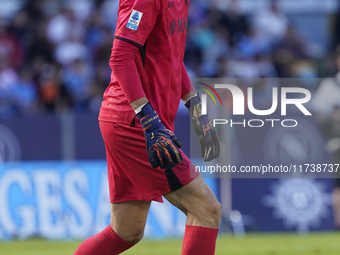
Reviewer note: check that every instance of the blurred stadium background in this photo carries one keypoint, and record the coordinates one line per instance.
(54, 69)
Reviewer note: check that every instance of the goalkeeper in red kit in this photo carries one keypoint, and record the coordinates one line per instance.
(144, 157)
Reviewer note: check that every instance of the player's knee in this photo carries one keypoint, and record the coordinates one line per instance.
(214, 213)
(132, 236)
(210, 215)
(135, 237)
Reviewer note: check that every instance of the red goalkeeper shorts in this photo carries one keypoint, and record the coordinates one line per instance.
(129, 171)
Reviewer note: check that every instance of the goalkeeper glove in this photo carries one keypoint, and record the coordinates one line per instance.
(161, 143)
(207, 135)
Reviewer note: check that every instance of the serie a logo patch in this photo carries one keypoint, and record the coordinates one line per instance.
(134, 20)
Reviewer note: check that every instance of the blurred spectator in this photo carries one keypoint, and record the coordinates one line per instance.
(40, 46)
(77, 78)
(8, 79)
(109, 12)
(68, 35)
(71, 50)
(24, 92)
(251, 44)
(327, 97)
(67, 45)
(270, 23)
(82, 9)
(292, 44)
(35, 9)
(59, 27)
(290, 50)
(10, 47)
(236, 23)
(326, 104)
(21, 27)
(18, 94)
(50, 89)
(260, 66)
(336, 36)
(217, 50)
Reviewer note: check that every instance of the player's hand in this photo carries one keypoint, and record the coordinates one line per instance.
(161, 143)
(207, 135)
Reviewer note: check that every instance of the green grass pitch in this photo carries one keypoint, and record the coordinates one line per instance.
(258, 244)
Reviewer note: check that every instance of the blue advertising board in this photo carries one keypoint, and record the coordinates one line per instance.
(69, 199)
(59, 200)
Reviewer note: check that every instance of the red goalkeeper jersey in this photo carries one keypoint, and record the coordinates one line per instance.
(159, 29)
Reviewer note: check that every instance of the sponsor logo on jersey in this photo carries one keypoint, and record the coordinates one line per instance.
(134, 20)
(178, 26)
(173, 27)
(183, 166)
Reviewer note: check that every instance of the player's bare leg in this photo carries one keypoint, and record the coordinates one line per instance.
(203, 212)
(198, 202)
(128, 221)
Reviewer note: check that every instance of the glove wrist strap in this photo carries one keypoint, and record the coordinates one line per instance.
(193, 101)
(148, 118)
(194, 106)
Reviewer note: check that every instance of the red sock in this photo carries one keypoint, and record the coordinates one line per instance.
(199, 241)
(106, 242)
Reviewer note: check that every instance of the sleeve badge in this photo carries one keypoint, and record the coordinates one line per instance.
(134, 20)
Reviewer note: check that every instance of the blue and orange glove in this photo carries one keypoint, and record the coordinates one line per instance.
(161, 143)
(207, 135)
